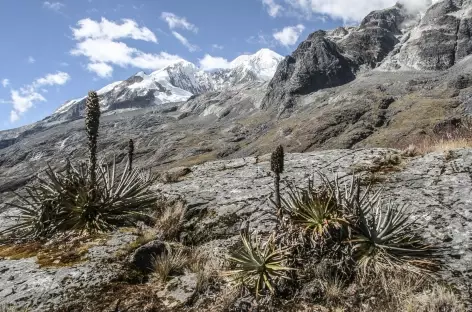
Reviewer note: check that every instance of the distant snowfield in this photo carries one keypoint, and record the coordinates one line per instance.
(180, 80)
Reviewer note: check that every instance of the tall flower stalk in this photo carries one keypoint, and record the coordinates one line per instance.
(92, 122)
(277, 167)
(130, 155)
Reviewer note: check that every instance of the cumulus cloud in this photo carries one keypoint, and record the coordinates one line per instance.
(31, 60)
(273, 9)
(5, 82)
(175, 22)
(24, 98)
(349, 12)
(55, 6)
(289, 35)
(209, 62)
(58, 78)
(103, 70)
(185, 42)
(105, 29)
(99, 43)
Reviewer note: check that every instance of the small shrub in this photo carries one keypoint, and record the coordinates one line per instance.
(259, 265)
(170, 262)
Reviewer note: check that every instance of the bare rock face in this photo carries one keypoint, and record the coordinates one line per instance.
(317, 63)
(440, 40)
(326, 60)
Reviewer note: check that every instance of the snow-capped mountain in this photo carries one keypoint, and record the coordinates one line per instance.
(174, 83)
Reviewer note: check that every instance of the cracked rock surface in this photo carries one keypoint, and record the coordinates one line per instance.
(222, 195)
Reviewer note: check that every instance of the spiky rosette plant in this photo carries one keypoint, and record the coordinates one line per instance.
(92, 123)
(62, 202)
(259, 265)
(277, 167)
(386, 238)
(314, 209)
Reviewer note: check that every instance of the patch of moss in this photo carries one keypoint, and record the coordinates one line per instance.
(55, 253)
(20, 251)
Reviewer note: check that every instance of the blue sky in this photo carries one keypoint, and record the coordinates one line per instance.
(56, 51)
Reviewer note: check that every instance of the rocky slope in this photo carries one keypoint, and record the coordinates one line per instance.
(390, 39)
(174, 83)
(221, 195)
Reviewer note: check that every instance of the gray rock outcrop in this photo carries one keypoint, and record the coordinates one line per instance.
(223, 194)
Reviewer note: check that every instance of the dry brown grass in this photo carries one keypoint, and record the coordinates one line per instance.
(444, 144)
(436, 299)
(170, 220)
(449, 139)
(172, 262)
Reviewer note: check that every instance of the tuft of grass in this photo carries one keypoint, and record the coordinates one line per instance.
(436, 299)
(170, 221)
(169, 263)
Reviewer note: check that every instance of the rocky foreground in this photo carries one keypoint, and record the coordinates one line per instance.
(221, 195)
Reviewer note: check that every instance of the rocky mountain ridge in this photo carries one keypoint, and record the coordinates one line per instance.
(175, 83)
(386, 40)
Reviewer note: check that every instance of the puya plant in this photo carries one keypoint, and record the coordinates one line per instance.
(259, 265)
(314, 209)
(91, 197)
(386, 238)
(376, 235)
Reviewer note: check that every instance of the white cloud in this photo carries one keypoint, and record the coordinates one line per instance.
(349, 12)
(175, 21)
(289, 35)
(58, 78)
(185, 42)
(25, 98)
(99, 43)
(55, 6)
(105, 29)
(14, 116)
(217, 46)
(210, 62)
(31, 60)
(103, 70)
(5, 82)
(273, 9)
(64, 64)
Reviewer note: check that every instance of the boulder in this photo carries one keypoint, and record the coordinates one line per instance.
(143, 257)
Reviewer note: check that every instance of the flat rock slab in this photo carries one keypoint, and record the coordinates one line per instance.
(24, 283)
(222, 195)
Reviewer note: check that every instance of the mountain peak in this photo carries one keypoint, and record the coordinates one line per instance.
(175, 83)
